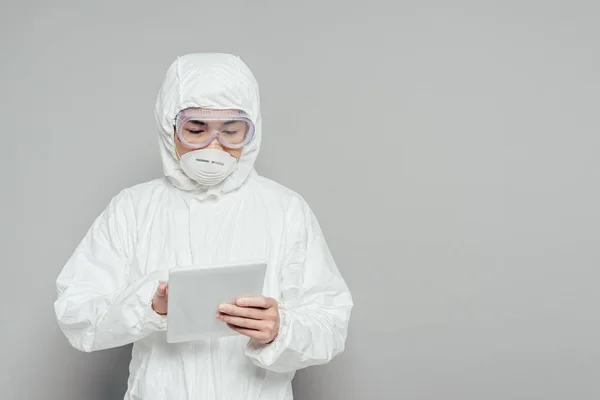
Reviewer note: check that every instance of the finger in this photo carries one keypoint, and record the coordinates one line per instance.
(245, 312)
(241, 322)
(161, 291)
(249, 332)
(259, 302)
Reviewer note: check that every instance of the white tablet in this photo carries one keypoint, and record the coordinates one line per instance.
(195, 293)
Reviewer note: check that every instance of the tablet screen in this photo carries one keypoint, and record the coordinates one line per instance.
(195, 292)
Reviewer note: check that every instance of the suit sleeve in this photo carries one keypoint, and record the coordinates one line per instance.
(315, 304)
(98, 306)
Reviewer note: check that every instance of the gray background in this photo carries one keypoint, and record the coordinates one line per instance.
(449, 149)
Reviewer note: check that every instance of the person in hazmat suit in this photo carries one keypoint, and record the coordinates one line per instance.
(210, 207)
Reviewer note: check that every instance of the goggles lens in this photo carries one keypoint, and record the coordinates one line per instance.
(197, 128)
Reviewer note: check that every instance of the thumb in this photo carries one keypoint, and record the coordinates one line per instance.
(161, 291)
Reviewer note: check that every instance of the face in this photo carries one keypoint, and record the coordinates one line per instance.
(230, 130)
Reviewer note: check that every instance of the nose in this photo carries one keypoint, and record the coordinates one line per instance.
(215, 144)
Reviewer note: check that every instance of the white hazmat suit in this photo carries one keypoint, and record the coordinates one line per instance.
(105, 289)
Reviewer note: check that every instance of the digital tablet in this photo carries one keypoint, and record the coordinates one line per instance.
(195, 292)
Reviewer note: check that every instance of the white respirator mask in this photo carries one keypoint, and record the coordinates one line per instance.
(208, 167)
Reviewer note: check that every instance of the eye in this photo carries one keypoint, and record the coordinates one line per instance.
(195, 132)
(230, 132)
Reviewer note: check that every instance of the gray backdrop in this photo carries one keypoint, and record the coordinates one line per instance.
(449, 149)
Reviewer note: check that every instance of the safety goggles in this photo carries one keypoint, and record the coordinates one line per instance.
(197, 128)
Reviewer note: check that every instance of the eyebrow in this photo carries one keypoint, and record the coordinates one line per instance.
(204, 123)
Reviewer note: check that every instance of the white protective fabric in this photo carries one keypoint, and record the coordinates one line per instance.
(105, 288)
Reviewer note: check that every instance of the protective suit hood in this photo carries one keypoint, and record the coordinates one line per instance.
(209, 80)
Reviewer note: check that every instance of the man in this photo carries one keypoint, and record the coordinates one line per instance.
(211, 207)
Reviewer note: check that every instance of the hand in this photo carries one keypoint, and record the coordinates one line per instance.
(161, 299)
(255, 317)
